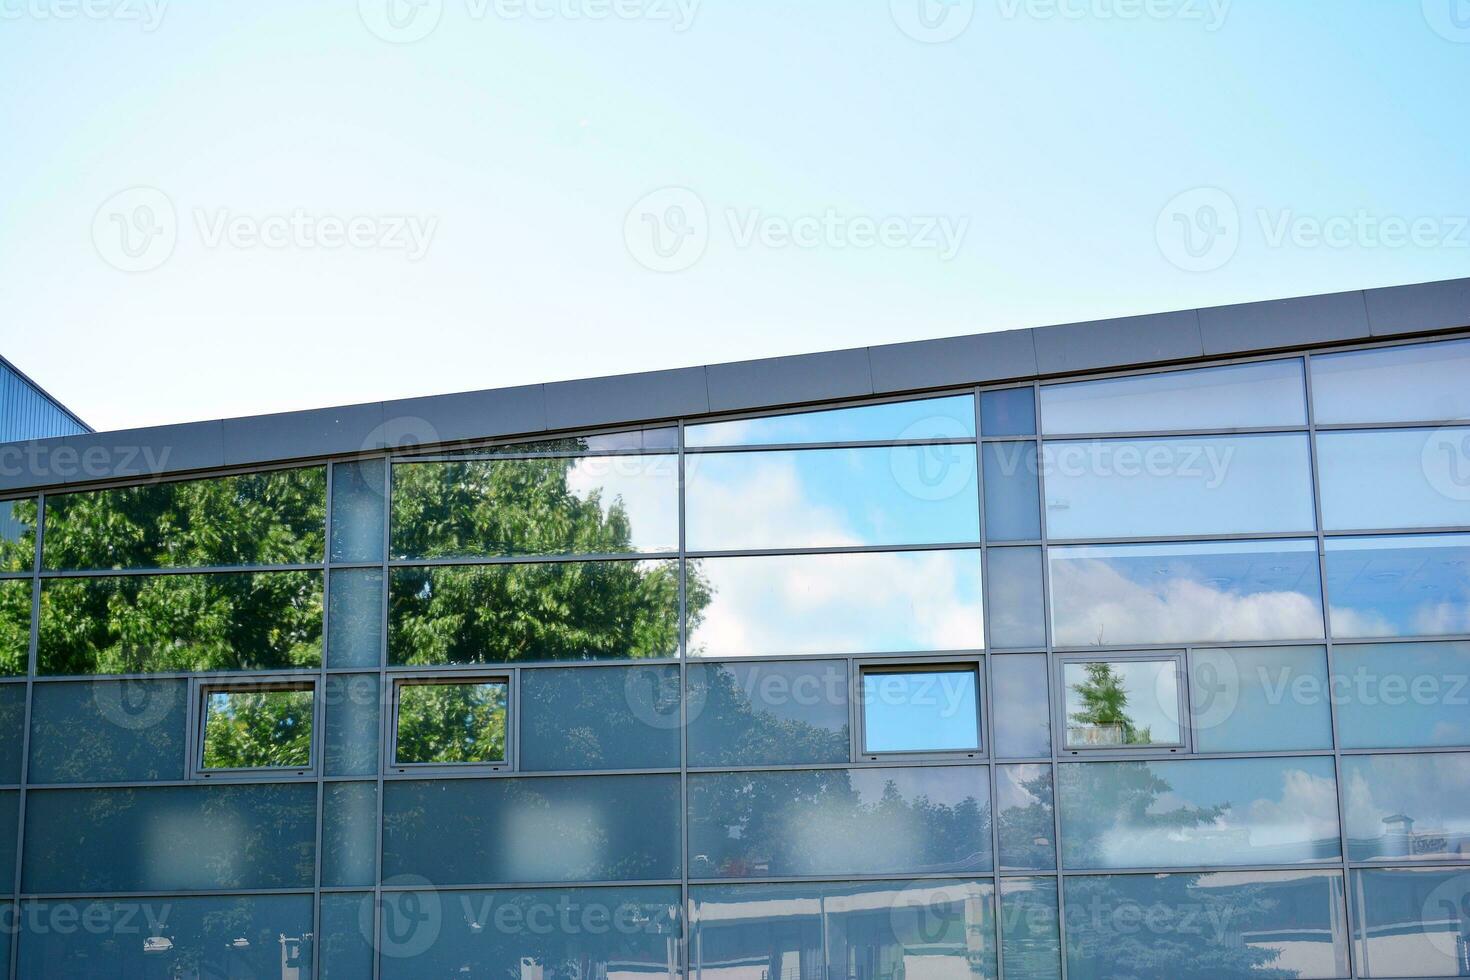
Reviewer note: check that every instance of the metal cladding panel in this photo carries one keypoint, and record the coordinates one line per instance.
(1284, 323)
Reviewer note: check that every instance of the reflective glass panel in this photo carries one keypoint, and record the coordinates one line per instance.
(931, 418)
(12, 732)
(778, 824)
(1026, 826)
(275, 518)
(632, 440)
(569, 828)
(819, 498)
(1008, 412)
(1015, 592)
(1012, 492)
(1235, 396)
(607, 610)
(1217, 926)
(1182, 593)
(9, 828)
(1402, 695)
(585, 505)
(109, 731)
(532, 934)
(1392, 478)
(347, 948)
(1030, 938)
(882, 929)
(921, 710)
(171, 838)
(17, 535)
(15, 626)
(1399, 585)
(357, 510)
(451, 722)
(349, 834)
(854, 603)
(1022, 719)
(1413, 383)
(138, 624)
(768, 714)
(259, 727)
(1195, 485)
(1260, 699)
(1411, 922)
(353, 702)
(1198, 812)
(1116, 703)
(1407, 808)
(599, 718)
(355, 618)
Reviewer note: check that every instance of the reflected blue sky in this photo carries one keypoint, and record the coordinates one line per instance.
(1414, 383)
(920, 711)
(1260, 699)
(1404, 585)
(1402, 695)
(951, 417)
(1022, 721)
(1392, 478)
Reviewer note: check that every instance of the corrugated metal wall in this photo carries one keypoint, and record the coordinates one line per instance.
(26, 413)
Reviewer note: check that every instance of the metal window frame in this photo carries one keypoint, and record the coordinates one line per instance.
(1183, 747)
(201, 688)
(857, 708)
(452, 678)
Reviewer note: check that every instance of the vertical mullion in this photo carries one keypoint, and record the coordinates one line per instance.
(986, 698)
(319, 736)
(386, 700)
(32, 659)
(686, 913)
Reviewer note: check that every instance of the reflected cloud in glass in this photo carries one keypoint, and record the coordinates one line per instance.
(930, 418)
(1399, 585)
(1403, 809)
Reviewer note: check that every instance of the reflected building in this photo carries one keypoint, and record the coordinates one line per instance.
(28, 412)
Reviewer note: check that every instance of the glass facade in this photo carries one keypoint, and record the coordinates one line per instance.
(1163, 675)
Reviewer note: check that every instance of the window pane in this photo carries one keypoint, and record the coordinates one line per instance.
(1015, 595)
(108, 731)
(932, 418)
(608, 610)
(585, 505)
(17, 535)
(255, 729)
(888, 602)
(357, 510)
(615, 933)
(1402, 695)
(1010, 412)
(355, 618)
(15, 626)
(1027, 829)
(816, 498)
(932, 710)
(276, 518)
(1022, 715)
(1219, 926)
(1394, 478)
(1012, 492)
(1260, 699)
(768, 714)
(347, 948)
(1031, 941)
(1415, 383)
(1236, 396)
(569, 828)
(632, 440)
(353, 702)
(882, 929)
(349, 834)
(137, 624)
(174, 936)
(9, 828)
(599, 718)
(778, 824)
(1122, 702)
(1198, 812)
(1407, 808)
(171, 838)
(1135, 488)
(12, 732)
(1400, 585)
(1183, 593)
(447, 723)
(1410, 922)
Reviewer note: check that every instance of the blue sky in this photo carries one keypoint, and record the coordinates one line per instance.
(829, 180)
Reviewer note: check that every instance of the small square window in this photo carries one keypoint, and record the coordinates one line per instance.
(256, 726)
(452, 722)
(1123, 703)
(921, 709)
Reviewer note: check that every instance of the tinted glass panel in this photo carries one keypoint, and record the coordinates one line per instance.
(1410, 922)
(355, 618)
(588, 505)
(633, 440)
(853, 603)
(274, 518)
(1115, 703)
(574, 828)
(9, 827)
(1011, 412)
(609, 610)
(1236, 396)
(1267, 924)
(1030, 938)
(879, 929)
(768, 714)
(448, 722)
(258, 728)
(353, 702)
(1026, 826)
(1261, 699)
(17, 535)
(1394, 478)
(1402, 585)
(246, 936)
(1134, 488)
(613, 933)
(1406, 808)
(932, 710)
(349, 834)
(347, 949)
(138, 624)
(357, 510)
(108, 731)
(1012, 492)
(171, 838)
(1015, 595)
(599, 718)
(12, 731)
(933, 418)
(1022, 720)
(1198, 812)
(1402, 695)
(15, 625)
(1181, 593)
(776, 824)
(1416, 383)
(815, 498)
